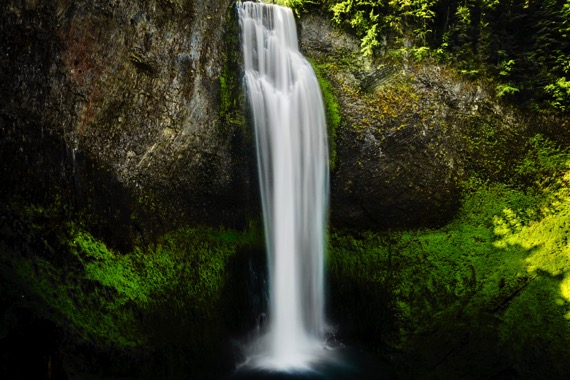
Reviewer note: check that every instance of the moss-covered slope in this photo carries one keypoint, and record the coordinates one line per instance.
(486, 295)
(162, 310)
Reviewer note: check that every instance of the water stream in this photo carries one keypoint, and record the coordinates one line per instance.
(290, 127)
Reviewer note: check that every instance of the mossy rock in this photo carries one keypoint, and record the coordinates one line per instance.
(408, 136)
(485, 296)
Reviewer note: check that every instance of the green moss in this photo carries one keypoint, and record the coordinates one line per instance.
(535, 321)
(332, 111)
(542, 165)
(231, 96)
(505, 259)
(80, 305)
(228, 100)
(101, 294)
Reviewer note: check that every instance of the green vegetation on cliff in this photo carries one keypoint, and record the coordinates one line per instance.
(495, 281)
(332, 110)
(231, 96)
(522, 45)
(117, 299)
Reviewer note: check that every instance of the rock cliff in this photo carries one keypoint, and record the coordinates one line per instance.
(117, 106)
(409, 134)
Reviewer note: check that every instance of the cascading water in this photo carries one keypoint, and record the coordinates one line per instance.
(288, 114)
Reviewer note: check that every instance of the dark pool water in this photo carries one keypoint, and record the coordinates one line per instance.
(342, 364)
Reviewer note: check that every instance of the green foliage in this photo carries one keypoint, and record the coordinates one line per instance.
(100, 294)
(506, 68)
(231, 92)
(111, 270)
(226, 102)
(536, 319)
(369, 41)
(407, 22)
(505, 89)
(505, 256)
(523, 46)
(560, 94)
(543, 164)
(296, 5)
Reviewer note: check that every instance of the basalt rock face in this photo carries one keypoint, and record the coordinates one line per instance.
(116, 107)
(120, 119)
(409, 134)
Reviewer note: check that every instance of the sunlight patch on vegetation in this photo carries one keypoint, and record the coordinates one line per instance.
(565, 288)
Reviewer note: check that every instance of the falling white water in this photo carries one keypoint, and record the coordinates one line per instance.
(288, 113)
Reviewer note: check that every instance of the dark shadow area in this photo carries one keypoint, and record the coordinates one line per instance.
(32, 349)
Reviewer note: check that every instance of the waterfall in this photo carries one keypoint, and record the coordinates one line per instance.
(290, 127)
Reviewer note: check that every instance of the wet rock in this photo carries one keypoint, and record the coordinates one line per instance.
(409, 134)
(130, 89)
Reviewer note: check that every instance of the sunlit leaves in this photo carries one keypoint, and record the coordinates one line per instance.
(404, 23)
(560, 92)
(369, 41)
(523, 45)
